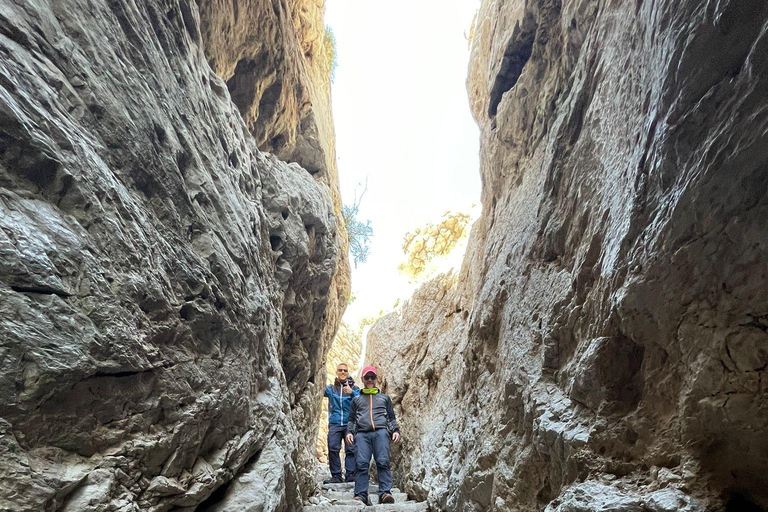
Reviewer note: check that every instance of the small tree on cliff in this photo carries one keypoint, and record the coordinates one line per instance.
(432, 241)
(359, 232)
(331, 57)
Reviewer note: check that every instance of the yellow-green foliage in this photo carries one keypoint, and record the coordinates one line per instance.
(433, 240)
(329, 49)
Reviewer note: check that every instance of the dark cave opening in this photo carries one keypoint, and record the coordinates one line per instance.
(741, 503)
(518, 52)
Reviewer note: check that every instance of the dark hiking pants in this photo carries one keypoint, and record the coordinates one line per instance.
(335, 434)
(376, 444)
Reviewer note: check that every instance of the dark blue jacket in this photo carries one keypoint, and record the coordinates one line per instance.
(371, 412)
(339, 403)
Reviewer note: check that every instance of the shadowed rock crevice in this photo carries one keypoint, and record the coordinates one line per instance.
(218, 496)
(516, 55)
(43, 290)
(605, 376)
(739, 503)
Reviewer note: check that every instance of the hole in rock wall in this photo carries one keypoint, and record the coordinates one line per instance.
(187, 312)
(243, 83)
(269, 102)
(215, 498)
(183, 161)
(279, 141)
(42, 172)
(516, 55)
(741, 503)
(160, 133)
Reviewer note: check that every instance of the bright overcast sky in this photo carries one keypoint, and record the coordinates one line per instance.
(402, 120)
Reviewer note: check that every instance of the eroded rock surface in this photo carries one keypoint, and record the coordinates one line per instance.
(167, 290)
(604, 345)
(274, 58)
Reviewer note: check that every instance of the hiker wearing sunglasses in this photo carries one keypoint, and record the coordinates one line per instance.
(371, 423)
(340, 395)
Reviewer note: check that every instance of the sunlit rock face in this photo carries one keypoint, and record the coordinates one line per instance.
(273, 57)
(167, 290)
(604, 346)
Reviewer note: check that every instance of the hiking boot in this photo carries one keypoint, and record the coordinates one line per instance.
(387, 498)
(350, 478)
(334, 480)
(361, 500)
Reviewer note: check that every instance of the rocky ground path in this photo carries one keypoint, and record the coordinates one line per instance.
(340, 498)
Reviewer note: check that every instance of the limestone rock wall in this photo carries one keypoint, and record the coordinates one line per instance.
(167, 290)
(604, 345)
(273, 58)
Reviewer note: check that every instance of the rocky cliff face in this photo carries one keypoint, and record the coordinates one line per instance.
(604, 345)
(275, 59)
(167, 290)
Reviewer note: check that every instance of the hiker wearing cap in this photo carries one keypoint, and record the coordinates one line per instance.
(340, 395)
(371, 423)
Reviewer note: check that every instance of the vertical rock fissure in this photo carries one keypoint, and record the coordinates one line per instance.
(516, 56)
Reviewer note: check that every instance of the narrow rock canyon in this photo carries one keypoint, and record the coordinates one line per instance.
(173, 262)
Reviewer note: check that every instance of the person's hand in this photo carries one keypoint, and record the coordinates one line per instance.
(347, 389)
(350, 439)
(396, 437)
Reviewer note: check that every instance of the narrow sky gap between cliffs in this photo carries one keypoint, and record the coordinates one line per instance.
(403, 123)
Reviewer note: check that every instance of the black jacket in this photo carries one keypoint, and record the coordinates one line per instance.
(371, 412)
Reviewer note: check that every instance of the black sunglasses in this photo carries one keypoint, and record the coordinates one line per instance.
(342, 370)
(369, 377)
